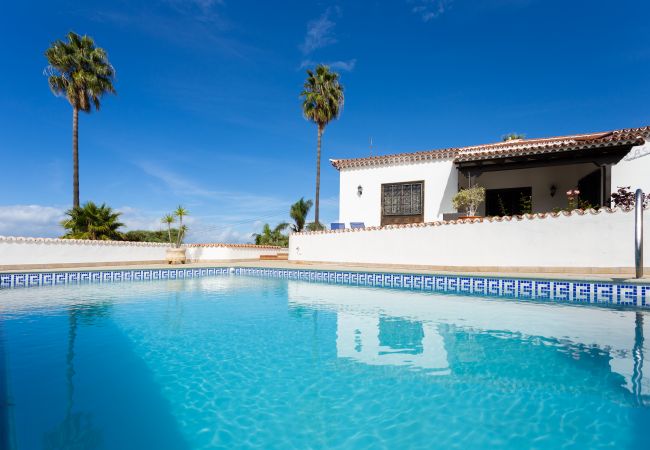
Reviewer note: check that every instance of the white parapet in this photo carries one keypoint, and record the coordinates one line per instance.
(21, 252)
(230, 252)
(582, 239)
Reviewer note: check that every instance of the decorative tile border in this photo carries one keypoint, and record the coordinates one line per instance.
(591, 292)
(596, 292)
(28, 279)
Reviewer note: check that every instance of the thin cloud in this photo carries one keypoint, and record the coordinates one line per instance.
(345, 66)
(194, 24)
(178, 184)
(31, 221)
(233, 201)
(431, 9)
(320, 32)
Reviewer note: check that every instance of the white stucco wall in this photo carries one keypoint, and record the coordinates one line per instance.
(35, 252)
(440, 184)
(228, 253)
(633, 170)
(602, 240)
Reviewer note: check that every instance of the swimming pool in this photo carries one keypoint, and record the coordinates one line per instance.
(242, 361)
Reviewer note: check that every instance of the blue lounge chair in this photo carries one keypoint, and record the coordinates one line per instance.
(337, 226)
(354, 225)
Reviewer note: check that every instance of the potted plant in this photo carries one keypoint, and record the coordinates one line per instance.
(469, 200)
(176, 254)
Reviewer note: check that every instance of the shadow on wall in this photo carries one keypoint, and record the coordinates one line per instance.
(195, 254)
(451, 188)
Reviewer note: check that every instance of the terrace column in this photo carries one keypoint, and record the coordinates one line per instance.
(605, 184)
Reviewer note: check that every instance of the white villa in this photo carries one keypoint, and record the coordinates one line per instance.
(418, 187)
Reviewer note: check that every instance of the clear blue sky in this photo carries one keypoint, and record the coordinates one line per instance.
(207, 113)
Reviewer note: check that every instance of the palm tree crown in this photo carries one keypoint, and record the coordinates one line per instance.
(322, 102)
(322, 96)
(182, 229)
(92, 222)
(274, 236)
(298, 213)
(168, 219)
(80, 72)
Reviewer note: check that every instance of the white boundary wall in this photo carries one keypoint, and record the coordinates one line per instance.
(226, 252)
(590, 240)
(43, 252)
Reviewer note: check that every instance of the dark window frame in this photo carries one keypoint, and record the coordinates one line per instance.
(402, 209)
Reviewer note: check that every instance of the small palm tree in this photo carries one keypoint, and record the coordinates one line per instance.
(274, 236)
(322, 102)
(169, 219)
(182, 229)
(298, 213)
(92, 222)
(512, 137)
(82, 74)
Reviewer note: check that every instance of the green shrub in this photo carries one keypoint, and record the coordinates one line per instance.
(469, 199)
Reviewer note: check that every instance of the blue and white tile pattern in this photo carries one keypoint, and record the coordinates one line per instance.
(597, 292)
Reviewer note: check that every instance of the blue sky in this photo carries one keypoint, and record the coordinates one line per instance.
(208, 115)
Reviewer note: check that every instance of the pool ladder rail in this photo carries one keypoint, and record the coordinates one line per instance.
(638, 233)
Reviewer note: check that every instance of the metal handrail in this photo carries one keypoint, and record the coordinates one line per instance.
(638, 232)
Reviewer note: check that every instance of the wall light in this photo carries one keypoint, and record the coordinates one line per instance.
(359, 190)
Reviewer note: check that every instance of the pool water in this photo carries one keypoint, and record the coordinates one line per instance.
(239, 362)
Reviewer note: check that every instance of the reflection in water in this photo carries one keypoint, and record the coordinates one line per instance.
(6, 406)
(76, 431)
(379, 340)
(440, 334)
(637, 354)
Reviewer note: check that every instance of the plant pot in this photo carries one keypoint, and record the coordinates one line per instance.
(176, 255)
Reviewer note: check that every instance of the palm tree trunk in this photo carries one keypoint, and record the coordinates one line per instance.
(75, 157)
(169, 231)
(316, 210)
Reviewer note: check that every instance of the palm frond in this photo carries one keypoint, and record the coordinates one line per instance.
(80, 71)
(322, 95)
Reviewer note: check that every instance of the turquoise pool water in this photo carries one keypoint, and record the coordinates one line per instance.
(239, 362)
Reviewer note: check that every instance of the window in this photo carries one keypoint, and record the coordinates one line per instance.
(508, 202)
(402, 199)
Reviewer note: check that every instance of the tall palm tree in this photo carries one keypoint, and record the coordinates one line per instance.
(182, 229)
(81, 73)
(168, 219)
(92, 222)
(322, 102)
(298, 213)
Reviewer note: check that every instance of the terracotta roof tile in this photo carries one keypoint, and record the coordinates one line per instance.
(517, 147)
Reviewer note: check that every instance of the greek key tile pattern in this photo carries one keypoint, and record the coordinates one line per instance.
(594, 292)
(14, 280)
